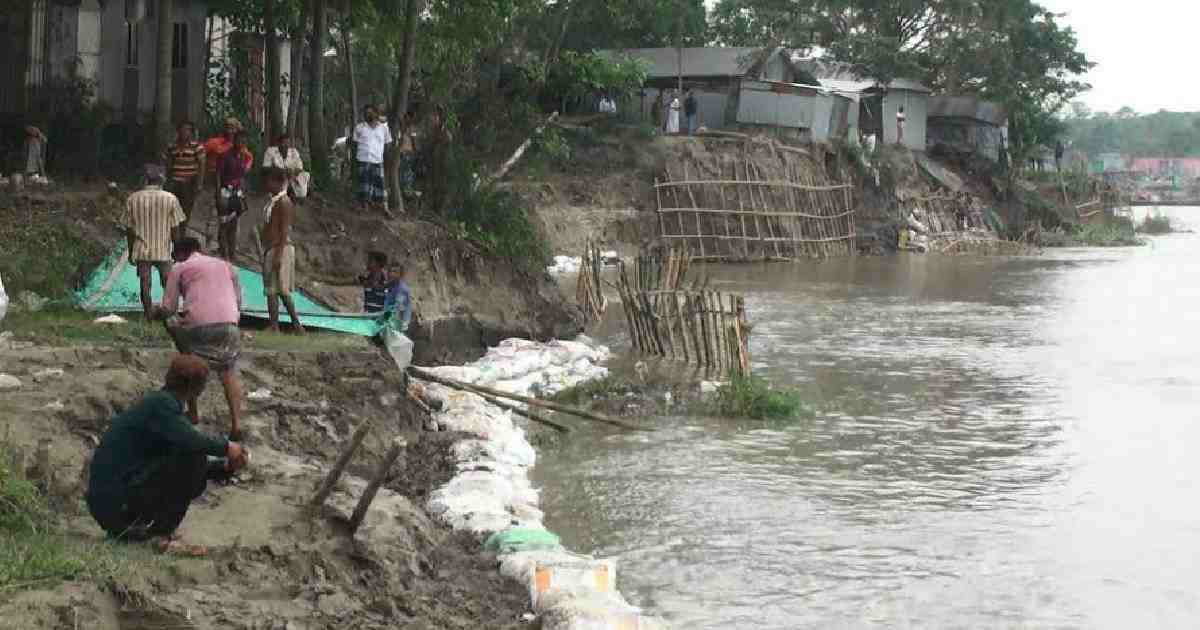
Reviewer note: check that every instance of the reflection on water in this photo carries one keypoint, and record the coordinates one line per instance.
(999, 443)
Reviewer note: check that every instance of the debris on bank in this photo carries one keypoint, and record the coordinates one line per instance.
(491, 492)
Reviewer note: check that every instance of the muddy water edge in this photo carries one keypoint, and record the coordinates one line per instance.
(999, 442)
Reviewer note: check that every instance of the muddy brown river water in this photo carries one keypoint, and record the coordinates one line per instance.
(999, 443)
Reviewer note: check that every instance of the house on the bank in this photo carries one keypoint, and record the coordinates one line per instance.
(967, 124)
(877, 104)
(1157, 167)
(113, 44)
(743, 88)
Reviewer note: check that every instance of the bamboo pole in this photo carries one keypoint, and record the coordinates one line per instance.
(545, 404)
(381, 473)
(339, 466)
(751, 182)
(561, 428)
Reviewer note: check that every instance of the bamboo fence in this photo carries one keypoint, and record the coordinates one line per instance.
(589, 292)
(750, 212)
(704, 328)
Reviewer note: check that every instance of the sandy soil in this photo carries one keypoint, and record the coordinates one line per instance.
(272, 566)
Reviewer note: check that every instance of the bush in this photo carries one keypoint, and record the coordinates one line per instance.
(1116, 232)
(752, 397)
(1156, 225)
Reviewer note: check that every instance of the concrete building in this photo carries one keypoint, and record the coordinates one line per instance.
(114, 44)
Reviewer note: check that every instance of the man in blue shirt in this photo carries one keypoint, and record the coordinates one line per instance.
(398, 303)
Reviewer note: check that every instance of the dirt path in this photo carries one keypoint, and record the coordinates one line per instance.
(271, 566)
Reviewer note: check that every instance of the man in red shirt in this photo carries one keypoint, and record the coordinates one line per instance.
(215, 149)
(231, 200)
(208, 324)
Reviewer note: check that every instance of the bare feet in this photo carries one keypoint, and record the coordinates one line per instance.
(299, 329)
(273, 328)
(175, 547)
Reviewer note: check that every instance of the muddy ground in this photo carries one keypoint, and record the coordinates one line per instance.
(272, 566)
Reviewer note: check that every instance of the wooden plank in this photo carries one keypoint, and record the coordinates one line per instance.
(751, 182)
(833, 239)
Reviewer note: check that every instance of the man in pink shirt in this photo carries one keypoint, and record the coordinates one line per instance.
(208, 324)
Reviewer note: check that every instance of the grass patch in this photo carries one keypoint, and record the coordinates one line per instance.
(45, 257)
(753, 397)
(63, 326)
(1156, 225)
(1117, 232)
(610, 386)
(37, 552)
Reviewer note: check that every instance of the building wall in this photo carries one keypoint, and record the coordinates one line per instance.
(916, 108)
(712, 107)
(119, 80)
(966, 133)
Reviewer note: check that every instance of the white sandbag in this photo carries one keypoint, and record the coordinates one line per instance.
(464, 373)
(483, 450)
(575, 576)
(399, 346)
(3, 301)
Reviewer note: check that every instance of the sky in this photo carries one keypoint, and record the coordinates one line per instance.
(1141, 50)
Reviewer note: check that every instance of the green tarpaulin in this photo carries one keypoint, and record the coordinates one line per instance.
(114, 287)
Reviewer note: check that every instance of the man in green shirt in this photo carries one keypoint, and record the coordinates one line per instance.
(152, 463)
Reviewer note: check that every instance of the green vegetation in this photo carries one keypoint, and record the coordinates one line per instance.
(753, 397)
(36, 550)
(1112, 233)
(1161, 134)
(1156, 225)
(611, 386)
(46, 257)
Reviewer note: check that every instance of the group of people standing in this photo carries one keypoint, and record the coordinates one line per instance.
(666, 109)
(370, 141)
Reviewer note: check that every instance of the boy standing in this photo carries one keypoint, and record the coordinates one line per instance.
(375, 283)
(279, 268)
(185, 170)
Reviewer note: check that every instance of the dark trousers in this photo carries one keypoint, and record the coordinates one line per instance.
(227, 236)
(156, 499)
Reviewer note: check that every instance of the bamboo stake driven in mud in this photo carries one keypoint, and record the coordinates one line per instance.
(417, 372)
(380, 476)
(339, 466)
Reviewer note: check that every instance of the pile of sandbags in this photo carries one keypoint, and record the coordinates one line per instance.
(491, 492)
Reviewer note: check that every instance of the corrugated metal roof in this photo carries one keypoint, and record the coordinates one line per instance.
(967, 107)
(842, 76)
(697, 62)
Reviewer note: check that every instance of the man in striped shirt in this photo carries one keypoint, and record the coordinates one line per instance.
(185, 170)
(150, 216)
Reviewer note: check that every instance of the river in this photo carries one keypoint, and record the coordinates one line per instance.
(998, 443)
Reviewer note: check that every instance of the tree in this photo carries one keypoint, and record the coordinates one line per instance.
(399, 106)
(318, 145)
(271, 43)
(166, 36)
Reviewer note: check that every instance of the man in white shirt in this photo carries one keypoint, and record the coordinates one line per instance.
(370, 138)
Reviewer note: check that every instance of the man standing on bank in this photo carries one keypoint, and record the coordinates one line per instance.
(185, 171)
(150, 216)
(690, 108)
(370, 138)
(208, 327)
(152, 463)
(279, 266)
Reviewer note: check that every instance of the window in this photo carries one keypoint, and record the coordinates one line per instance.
(179, 46)
(131, 44)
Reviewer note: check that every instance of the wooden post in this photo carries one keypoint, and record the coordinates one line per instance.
(335, 473)
(381, 473)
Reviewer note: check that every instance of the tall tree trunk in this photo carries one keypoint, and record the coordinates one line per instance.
(166, 35)
(274, 124)
(208, 44)
(296, 76)
(350, 72)
(317, 146)
(400, 96)
(556, 48)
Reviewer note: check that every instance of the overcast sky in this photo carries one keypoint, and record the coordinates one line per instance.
(1142, 50)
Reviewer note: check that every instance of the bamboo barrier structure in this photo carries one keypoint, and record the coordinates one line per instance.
(697, 326)
(589, 292)
(766, 203)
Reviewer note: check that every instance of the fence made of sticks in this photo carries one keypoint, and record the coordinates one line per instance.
(697, 326)
(768, 201)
